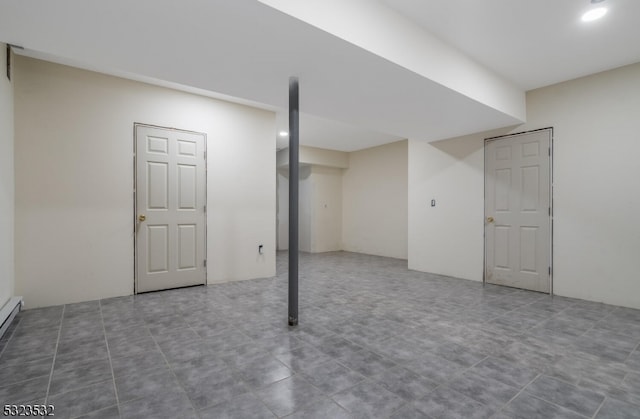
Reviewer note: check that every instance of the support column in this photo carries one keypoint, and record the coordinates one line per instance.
(294, 142)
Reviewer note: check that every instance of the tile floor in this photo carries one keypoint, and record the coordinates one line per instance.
(375, 340)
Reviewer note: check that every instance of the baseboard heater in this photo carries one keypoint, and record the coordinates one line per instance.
(8, 312)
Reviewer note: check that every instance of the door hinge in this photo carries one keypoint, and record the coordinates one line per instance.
(205, 263)
(549, 270)
(549, 210)
(205, 208)
(205, 155)
(549, 150)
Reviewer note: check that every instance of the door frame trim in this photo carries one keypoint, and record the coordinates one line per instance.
(484, 230)
(135, 197)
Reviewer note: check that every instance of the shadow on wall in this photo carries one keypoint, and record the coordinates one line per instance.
(462, 147)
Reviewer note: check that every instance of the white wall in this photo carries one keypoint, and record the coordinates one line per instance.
(596, 184)
(6, 183)
(74, 180)
(446, 239)
(374, 199)
(596, 122)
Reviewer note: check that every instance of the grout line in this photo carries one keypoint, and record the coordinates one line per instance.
(113, 376)
(55, 354)
(521, 391)
(600, 407)
(557, 405)
(171, 369)
(636, 349)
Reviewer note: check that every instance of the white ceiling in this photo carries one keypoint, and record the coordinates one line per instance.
(350, 94)
(331, 134)
(533, 43)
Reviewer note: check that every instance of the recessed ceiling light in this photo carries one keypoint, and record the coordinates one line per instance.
(283, 133)
(594, 14)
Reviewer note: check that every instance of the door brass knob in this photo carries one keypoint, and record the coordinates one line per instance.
(489, 220)
(142, 217)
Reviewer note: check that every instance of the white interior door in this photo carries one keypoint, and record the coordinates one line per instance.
(518, 210)
(170, 208)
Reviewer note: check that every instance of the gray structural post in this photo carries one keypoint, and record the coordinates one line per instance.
(294, 141)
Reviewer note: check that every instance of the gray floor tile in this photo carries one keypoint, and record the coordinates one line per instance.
(301, 357)
(264, 371)
(241, 407)
(83, 400)
(279, 344)
(615, 409)
(337, 346)
(366, 363)
(92, 372)
(176, 351)
(331, 377)
(138, 363)
(435, 368)
(146, 384)
(447, 403)
(26, 371)
(583, 401)
(78, 358)
(24, 391)
(506, 372)
(631, 383)
(164, 324)
(368, 399)
(228, 340)
(193, 370)
(289, 395)
(211, 384)
(243, 354)
(126, 347)
(459, 354)
(527, 406)
(359, 314)
(108, 413)
(404, 383)
(486, 390)
(167, 405)
(633, 360)
(409, 412)
(321, 410)
(76, 335)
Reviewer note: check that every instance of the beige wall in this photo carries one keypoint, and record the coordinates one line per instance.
(74, 180)
(305, 218)
(6, 183)
(374, 201)
(596, 184)
(282, 214)
(315, 157)
(326, 209)
(319, 212)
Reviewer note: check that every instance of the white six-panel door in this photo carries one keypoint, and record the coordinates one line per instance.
(170, 208)
(518, 210)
